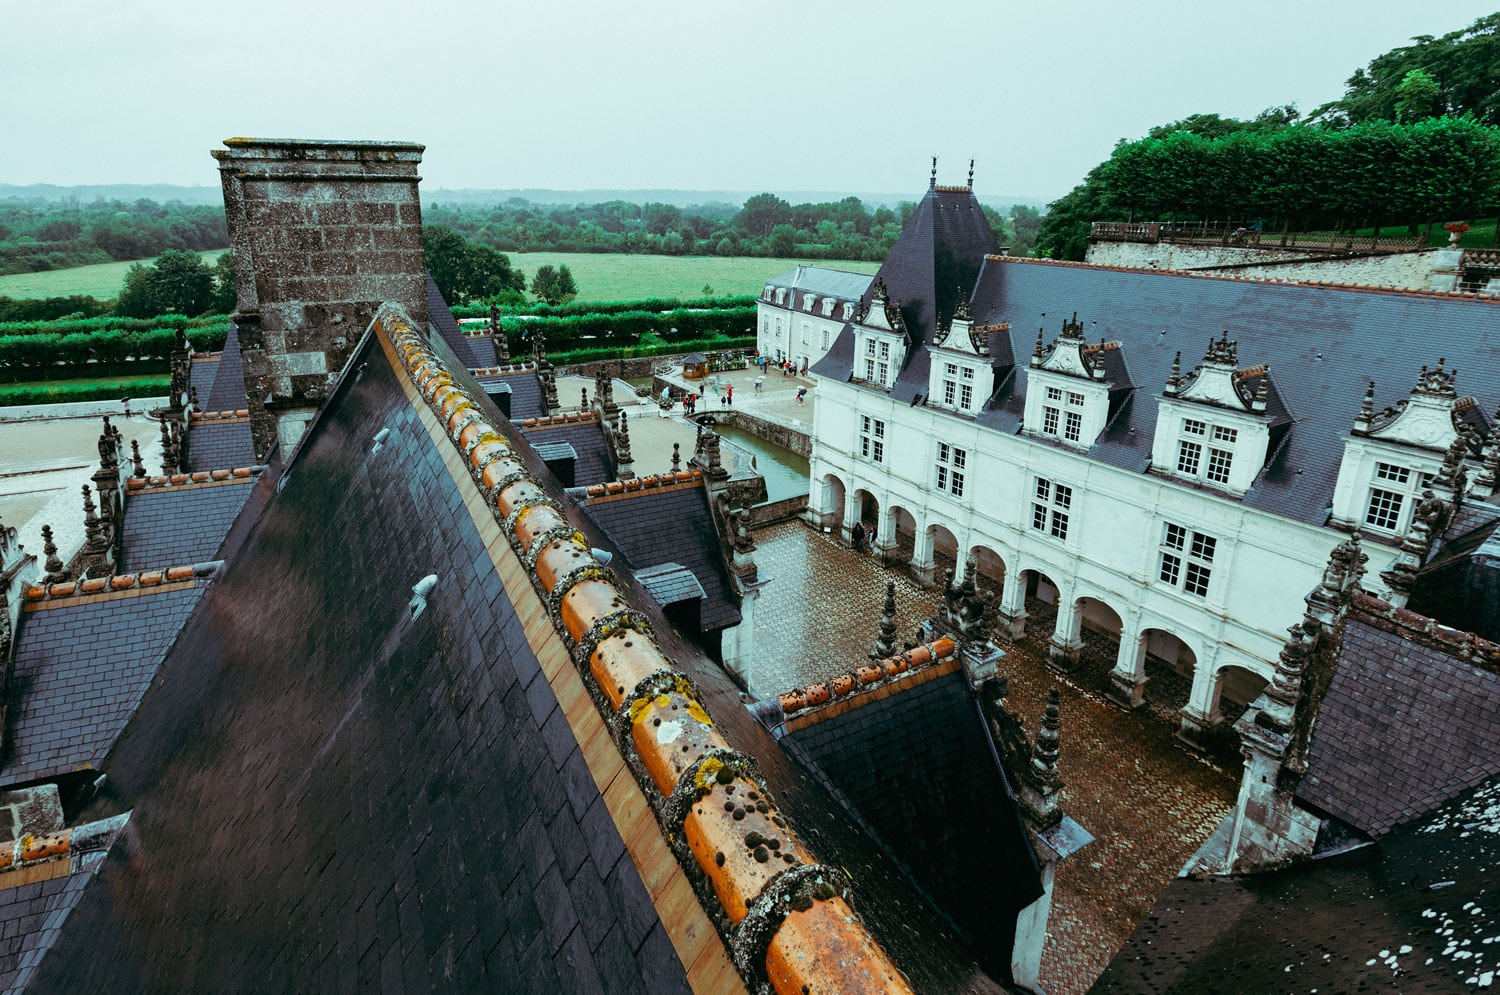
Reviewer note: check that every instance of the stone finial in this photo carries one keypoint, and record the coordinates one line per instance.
(1437, 382)
(1285, 689)
(622, 445)
(1345, 570)
(932, 180)
(109, 446)
(676, 457)
(1222, 352)
(1260, 396)
(1174, 378)
(56, 572)
(963, 310)
(1072, 330)
(135, 459)
(1042, 783)
(583, 402)
(971, 174)
(739, 532)
(1451, 477)
(1487, 482)
(1366, 415)
(885, 643)
(1045, 750)
(168, 461)
(97, 538)
(549, 388)
(502, 344)
(1039, 351)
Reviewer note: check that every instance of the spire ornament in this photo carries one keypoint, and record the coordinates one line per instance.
(1366, 415)
(885, 643)
(135, 458)
(56, 571)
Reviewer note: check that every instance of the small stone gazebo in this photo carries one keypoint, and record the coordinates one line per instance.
(695, 366)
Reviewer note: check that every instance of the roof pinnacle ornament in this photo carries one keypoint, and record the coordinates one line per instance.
(1366, 411)
(56, 572)
(135, 458)
(971, 174)
(1040, 351)
(1222, 351)
(932, 181)
(885, 643)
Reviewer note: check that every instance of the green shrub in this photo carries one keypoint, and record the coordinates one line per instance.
(657, 304)
(717, 343)
(59, 393)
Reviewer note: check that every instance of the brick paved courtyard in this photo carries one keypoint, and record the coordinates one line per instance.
(1148, 801)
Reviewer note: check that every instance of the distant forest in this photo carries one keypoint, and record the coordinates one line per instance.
(37, 235)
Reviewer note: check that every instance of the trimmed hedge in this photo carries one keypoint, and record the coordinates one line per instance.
(46, 356)
(101, 391)
(110, 323)
(716, 344)
(574, 309)
(588, 331)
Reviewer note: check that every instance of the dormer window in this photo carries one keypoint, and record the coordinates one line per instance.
(1393, 493)
(828, 303)
(877, 362)
(849, 312)
(958, 386)
(1198, 436)
(781, 296)
(1062, 415)
(807, 301)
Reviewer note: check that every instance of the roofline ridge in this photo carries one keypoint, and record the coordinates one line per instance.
(102, 586)
(636, 486)
(806, 701)
(502, 371)
(1472, 648)
(773, 917)
(1367, 288)
(238, 474)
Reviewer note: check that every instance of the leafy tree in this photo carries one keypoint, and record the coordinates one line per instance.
(1464, 64)
(464, 271)
(764, 212)
(1416, 96)
(554, 285)
(783, 240)
(178, 281)
(224, 296)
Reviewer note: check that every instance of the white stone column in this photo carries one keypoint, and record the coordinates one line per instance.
(921, 556)
(1066, 644)
(851, 512)
(1031, 934)
(1128, 678)
(1011, 616)
(1201, 712)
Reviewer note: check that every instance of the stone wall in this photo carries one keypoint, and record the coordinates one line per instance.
(791, 439)
(322, 233)
(1432, 269)
(777, 511)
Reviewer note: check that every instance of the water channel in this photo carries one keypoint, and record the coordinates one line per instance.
(784, 470)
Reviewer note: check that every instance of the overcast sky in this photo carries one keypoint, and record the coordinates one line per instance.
(706, 95)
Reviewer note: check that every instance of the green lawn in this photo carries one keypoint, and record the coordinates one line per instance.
(600, 277)
(102, 281)
(621, 277)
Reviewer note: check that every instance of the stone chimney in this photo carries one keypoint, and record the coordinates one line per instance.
(322, 233)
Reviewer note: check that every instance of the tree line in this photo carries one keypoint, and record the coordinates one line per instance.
(1415, 139)
(38, 235)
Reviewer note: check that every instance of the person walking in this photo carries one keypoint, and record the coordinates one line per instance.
(801, 393)
(857, 537)
(729, 394)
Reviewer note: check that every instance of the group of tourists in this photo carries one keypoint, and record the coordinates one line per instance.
(862, 541)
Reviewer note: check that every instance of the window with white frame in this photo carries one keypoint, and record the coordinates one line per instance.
(828, 307)
(1062, 414)
(806, 333)
(872, 439)
(848, 311)
(1206, 450)
(825, 340)
(1186, 559)
(877, 362)
(952, 463)
(1393, 493)
(1051, 508)
(958, 386)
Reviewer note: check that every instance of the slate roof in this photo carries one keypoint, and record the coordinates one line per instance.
(917, 769)
(1413, 914)
(80, 672)
(482, 348)
(1460, 584)
(525, 394)
(337, 795)
(220, 446)
(447, 326)
(1322, 345)
(593, 465)
(653, 527)
(169, 526)
(934, 263)
(670, 583)
(823, 282)
(228, 390)
(202, 373)
(1403, 727)
(32, 915)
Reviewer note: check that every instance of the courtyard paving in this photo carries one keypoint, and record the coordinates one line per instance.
(1148, 801)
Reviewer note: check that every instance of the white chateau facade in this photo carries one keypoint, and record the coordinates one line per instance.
(1184, 511)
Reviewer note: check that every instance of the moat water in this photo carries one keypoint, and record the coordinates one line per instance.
(784, 470)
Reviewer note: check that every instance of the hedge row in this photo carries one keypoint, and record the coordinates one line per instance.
(626, 327)
(47, 356)
(110, 323)
(574, 309)
(98, 391)
(51, 308)
(718, 343)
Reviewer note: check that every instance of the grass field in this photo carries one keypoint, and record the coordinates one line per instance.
(620, 277)
(600, 277)
(102, 281)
